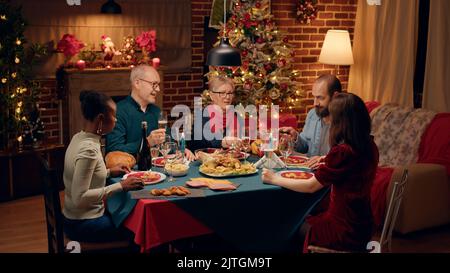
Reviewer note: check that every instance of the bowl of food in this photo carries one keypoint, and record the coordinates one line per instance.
(177, 169)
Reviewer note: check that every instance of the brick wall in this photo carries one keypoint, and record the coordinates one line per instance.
(49, 109)
(180, 88)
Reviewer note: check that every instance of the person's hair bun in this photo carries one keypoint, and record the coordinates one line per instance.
(93, 103)
(85, 95)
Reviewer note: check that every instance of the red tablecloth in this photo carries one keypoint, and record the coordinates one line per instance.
(173, 223)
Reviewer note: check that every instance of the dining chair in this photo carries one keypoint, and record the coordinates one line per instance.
(54, 218)
(385, 242)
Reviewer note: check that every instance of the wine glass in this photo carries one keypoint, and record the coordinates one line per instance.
(162, 120)
(245, 146)
(286, 147)
(171, 155)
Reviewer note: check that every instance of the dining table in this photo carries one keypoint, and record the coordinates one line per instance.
(254, 218)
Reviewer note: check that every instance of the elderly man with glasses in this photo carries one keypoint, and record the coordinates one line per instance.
(137, 107)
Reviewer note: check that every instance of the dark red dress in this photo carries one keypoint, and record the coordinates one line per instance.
(348, 222)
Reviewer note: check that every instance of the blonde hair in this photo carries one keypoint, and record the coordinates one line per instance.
(217, 81)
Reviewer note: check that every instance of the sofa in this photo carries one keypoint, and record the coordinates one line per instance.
(419, 140)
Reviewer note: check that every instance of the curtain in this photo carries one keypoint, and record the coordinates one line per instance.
(49, 20)
(384, 50)
(436, 93)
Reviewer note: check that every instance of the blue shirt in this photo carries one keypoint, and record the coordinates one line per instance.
(313, 140)
(127, 134)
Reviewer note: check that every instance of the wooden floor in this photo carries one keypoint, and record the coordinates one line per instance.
(23, 230)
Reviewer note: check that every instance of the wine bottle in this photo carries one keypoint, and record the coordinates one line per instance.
(144, 157)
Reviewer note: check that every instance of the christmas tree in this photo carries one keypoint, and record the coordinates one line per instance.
(17, 98)
(266, 75)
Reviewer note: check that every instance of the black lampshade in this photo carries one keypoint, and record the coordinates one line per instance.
(111, 7)
(224, 55)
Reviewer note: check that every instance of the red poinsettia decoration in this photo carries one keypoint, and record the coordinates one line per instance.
(147, 40)
(69, 45)
(306, 10)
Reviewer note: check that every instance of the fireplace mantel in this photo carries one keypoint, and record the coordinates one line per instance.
(113, 82)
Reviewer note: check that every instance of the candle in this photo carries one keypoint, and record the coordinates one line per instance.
(156, 62)
(81, 64)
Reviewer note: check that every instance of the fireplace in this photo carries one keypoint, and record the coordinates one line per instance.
(114, 83)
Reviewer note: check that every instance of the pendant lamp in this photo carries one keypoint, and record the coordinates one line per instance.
(111, 7)
(224, 54)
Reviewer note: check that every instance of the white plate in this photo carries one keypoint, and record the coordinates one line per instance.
(161, 177)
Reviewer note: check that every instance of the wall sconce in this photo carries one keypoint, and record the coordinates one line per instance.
(337, 48)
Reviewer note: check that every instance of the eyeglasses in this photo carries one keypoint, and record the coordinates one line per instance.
(224, 94)
(155, 85)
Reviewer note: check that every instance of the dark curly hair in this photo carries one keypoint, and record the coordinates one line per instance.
(94, 103)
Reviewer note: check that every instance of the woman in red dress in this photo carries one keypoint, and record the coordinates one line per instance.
(349, 168)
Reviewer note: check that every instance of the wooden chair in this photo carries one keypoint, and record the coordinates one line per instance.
(54, 218)
(389, 222)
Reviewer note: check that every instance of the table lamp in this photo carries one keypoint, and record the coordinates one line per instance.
(336, 49)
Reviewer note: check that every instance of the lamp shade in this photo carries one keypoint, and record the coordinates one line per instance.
(111, 7)
(224, 55)
(336, 49)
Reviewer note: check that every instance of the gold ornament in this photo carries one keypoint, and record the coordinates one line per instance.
(3, 17)
(274, 94)
(4, 80)
(18, 42)
(17, 60)
(13, 75)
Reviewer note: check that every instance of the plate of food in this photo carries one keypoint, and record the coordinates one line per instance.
(210, 153)
(149, 177)
(295, 160)
(226, 166)
(158, 162)
(177, 169)
(295, 174)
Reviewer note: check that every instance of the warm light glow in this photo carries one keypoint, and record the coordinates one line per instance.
(337, 48)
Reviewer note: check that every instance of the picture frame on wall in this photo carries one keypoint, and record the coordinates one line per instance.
(216, 16)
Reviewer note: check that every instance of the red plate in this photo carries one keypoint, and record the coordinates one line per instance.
(147, 177)
(295, 160)
(158, 162)
(296, 174)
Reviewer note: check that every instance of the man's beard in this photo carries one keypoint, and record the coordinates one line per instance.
(322, 111)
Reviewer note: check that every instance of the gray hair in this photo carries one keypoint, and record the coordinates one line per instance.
(217, 81)
(139, 71)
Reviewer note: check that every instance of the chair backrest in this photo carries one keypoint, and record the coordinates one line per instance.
(392, 212)
(53, 214)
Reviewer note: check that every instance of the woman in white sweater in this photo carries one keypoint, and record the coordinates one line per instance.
(85, 174)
